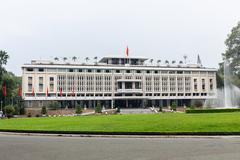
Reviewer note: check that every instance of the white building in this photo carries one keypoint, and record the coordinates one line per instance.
(116, 82)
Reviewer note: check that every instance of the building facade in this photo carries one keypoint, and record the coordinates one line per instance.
(116, 82)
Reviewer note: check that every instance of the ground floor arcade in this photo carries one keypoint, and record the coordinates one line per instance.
(121, 103)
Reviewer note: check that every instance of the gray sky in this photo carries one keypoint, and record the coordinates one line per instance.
(151, 28)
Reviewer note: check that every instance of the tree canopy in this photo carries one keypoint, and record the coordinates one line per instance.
(12, 82)
(232, 54)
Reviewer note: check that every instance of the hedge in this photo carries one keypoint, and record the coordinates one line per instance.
(212, 110)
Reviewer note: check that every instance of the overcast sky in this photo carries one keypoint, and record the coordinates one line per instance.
(157, 29)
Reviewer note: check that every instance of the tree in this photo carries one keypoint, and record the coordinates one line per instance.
(74, 58)
(78, 109)
(151, 61)
(95, 58)
(44, 110)
(174, 106)
(9, 111)
(3, 61)
(56, 59)
(98, 108)
(64, 59)
(232, 54)
(86, 59)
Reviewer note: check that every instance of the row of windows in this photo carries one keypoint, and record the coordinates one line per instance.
(117, 71)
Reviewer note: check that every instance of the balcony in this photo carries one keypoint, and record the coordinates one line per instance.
(129, 90)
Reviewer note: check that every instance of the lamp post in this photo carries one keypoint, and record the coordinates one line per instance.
(1, 104)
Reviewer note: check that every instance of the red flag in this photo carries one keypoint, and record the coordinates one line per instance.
(127, 51)
(33, 92)
(5, 89)
(47, 92)
(61, 91)
(20, 91)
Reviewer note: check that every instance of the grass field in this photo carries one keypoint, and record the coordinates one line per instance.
(169, 123)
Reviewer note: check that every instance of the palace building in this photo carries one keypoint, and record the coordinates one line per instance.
(116, 82)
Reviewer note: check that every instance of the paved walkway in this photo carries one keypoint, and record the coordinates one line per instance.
(18, 147)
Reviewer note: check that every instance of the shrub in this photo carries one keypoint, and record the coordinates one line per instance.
(98, 108)
(212, 110)
(54, 105)
(192, 107)
(174, 106)
(78, 109)
(17, 110)
(44, 110)
(29, 114)
(9, 111)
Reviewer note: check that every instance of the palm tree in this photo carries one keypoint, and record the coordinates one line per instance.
(56, 59)
(64, 59)
(180, 62)
(86, 59)
(95, 58)
(185, 58)
(74, 58)
(173, 62)
(158, 61)
(166, 62)
(151, 61)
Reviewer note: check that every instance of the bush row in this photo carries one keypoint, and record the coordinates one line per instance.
(213, 110)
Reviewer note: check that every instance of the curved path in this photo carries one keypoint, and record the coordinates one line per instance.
(18, 147)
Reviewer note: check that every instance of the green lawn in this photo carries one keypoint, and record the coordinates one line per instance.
(158, 123)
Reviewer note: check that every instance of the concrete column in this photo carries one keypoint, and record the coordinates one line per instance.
(112, 103)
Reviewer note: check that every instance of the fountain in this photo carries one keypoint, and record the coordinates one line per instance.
(229, 95)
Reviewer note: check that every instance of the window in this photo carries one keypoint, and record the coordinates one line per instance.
(211, 84)
(89, 70)
(51, 82)
(195, 87)
(156, 72)
(70, 70)
(107, 71)
(29, 103)
(203, 84)
(40, 87)
(80, 70)
(138, 71)
(29, 69)
(128, 85)
(128, 71)
(30, 84)
(98, 71)
(148, 71)
(117, 71)
(40, 70)
(172, 72)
